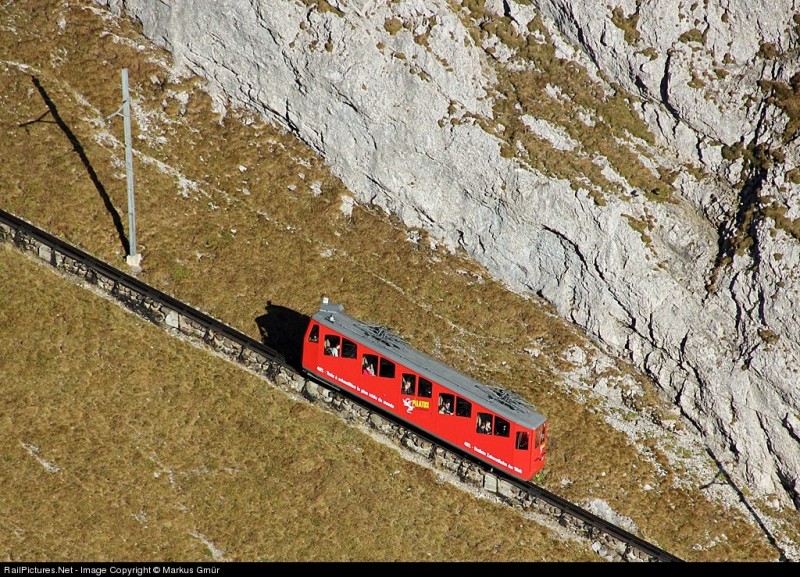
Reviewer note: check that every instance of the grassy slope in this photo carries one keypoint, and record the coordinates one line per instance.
(166, 452)
(229, 220)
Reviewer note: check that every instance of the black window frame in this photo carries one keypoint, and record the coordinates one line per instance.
(370, 358)
(481, 420)
(463, 407)
(424, 388)
(502, 427)
(444, 398)
(334, 341)
(386, 368)
(349, 349)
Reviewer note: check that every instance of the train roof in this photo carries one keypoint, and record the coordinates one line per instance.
(386, 343)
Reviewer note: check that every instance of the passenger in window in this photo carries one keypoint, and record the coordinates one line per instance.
(485, 425)
(408, 385)
(367, 368)
(446, 408)
(327, 346)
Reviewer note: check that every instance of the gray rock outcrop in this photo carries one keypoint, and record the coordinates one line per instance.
(657, 208)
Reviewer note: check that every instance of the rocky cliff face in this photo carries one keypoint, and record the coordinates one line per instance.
(633, 162)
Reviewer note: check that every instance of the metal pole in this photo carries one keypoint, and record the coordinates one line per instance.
(133, 257)
(126, 113)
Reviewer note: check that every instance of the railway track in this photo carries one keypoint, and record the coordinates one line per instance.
(607, 540)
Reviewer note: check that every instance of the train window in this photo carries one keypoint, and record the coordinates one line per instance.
(409, 385)
(522, 440)
(368, 365)
(484, 423)
(501, 427)
(425, 388)
(332, 345)
(313, 336)
(349, 349)
(446, 404)
(386, 369)
(463, 407)
(540, 435)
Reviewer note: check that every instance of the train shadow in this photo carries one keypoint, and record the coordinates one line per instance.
(283, 329)
(52, 110)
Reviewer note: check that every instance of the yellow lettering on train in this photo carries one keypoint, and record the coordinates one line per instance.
(421, 404)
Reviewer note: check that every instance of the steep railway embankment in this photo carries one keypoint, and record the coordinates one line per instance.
(202, 330)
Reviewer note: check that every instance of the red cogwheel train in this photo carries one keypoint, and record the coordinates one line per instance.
(492, 424)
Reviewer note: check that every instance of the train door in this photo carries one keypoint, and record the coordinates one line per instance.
(504, 443)
(378, 379)
(415, 399)
(528, 451)
(311, 347)
(454, 418)
(484, 425)
(367, 379)
(386, 380)
(493, 438)
(539, 449)
(332, 356)
(522, 457)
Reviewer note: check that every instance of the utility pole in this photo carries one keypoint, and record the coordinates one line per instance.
(133, 259)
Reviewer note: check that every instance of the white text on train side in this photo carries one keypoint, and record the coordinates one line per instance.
(491, 457)
(364, 392)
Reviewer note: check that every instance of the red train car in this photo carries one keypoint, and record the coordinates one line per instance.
(494, 425)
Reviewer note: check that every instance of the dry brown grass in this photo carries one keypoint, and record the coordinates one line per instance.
(234, 242)
(160, 446)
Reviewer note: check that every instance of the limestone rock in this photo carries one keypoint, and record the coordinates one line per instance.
(695, 282)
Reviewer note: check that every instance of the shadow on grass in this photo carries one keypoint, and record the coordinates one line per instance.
(76, 145)
(743, 498)
(283, 329)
